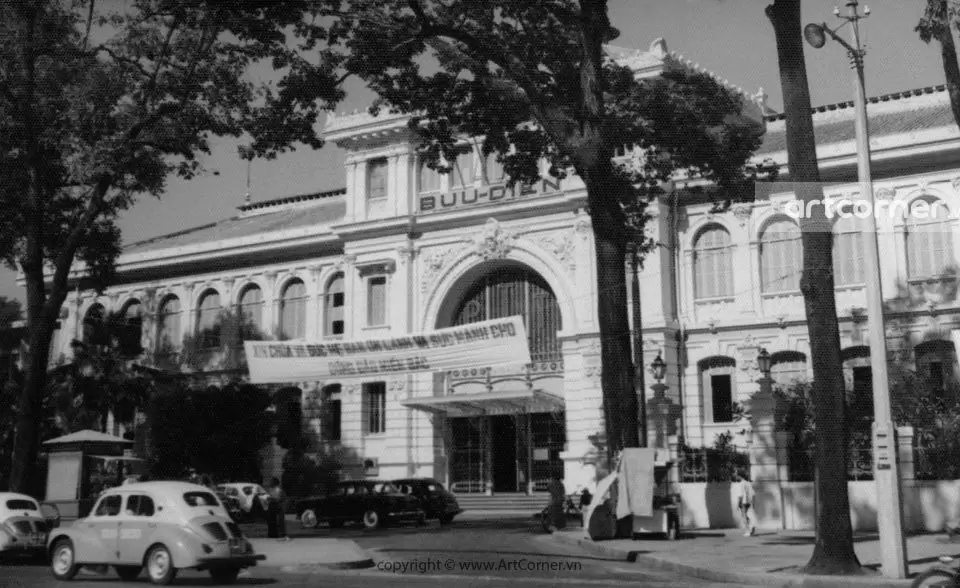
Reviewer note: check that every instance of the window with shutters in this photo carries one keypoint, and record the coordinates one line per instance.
(168, 324)
(377, 301)
(251, 312)
(718, 388)
(428, 180)
(293, 311)
(131, 329)
(462, 173)
(781, 257)
(377, 179)
(713, 264)
(848, 261)
(929, 241)
(493, 170)
(208, 328)
(375, 407)
(334, 300)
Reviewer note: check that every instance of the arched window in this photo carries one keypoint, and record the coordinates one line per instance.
(929, 239)
(713, 264)
(934, 362)
(718, 384)
(208, 325)
(848, 259)
(334, 300)
(94, 326)
(781, 257)
(788, 367)
(428, 180)
(168, 324)
(293, 311)
(511, 292)
(250, 311)
(131, 328)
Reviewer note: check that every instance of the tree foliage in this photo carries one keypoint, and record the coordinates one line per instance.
(939, 18)
(102, 102)
(530, 81)
(217, 431)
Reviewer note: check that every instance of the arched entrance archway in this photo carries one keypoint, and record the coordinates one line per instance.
(496, 444)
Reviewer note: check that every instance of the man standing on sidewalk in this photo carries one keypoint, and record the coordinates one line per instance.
(276, 510)
(744, 493)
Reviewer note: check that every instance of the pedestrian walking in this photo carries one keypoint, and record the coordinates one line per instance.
(558, 499)
(276, 510)
(745, 497)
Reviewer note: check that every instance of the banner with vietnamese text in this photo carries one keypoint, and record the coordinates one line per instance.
(477, 345)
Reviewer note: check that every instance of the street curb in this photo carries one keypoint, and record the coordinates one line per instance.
(318, 567)
(771, 580)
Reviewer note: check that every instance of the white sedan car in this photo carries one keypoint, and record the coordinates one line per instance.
(162, 527)
(250, 496)
(23, 528)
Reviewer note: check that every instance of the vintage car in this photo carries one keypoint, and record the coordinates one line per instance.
(251, 498)
(435, 500)
(23, 525)
(162, 527)
(370, 502)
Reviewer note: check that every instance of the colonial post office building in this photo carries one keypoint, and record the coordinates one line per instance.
(402, 249)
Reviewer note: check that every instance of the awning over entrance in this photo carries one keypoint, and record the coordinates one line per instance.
(489, 403)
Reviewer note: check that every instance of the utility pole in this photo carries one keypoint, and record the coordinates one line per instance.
(886, 465)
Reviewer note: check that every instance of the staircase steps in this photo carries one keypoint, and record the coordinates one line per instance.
(503, 501)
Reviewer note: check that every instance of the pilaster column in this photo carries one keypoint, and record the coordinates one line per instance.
(352, 191)
(314, 292)
(353, 311)
(271, 301)
(764, 466)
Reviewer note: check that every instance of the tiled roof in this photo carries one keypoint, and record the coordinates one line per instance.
(290, 214)
(891, 114)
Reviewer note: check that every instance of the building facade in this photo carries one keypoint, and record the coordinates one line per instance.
(403, 249)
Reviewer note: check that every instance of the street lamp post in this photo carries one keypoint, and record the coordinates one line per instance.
(886, 468)
(660, 402)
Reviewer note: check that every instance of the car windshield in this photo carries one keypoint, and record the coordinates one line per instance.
(200, 499)
(231, 491)
(19, 504)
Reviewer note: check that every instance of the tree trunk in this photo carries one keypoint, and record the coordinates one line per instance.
(26, 439)
(620, 406)
(639, 382)
(833, 551)
(951, 69)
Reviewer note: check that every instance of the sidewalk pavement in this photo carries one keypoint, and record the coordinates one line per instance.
(306, 554)
(769, 558)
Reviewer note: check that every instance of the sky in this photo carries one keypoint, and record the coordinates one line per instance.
(731, 38)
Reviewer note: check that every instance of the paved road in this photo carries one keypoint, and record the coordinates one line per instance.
(469, 553)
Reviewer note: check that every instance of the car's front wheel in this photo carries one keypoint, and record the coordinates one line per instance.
(160, 568)
(224, 575)
(62, 564)
(371, 519)
(128, 573)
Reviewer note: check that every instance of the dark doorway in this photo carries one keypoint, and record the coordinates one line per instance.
(503, 436)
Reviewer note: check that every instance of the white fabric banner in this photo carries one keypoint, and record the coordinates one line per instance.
(477, 345)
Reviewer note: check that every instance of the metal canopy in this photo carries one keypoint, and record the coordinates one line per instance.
(488, 403)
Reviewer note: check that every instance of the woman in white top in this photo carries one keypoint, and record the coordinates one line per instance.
(744, 493)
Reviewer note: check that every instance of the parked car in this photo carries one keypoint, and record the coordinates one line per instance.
(160, 526)
(251, 498)
(23, 525)
(436, 501)
(373, 503)
(231, 502)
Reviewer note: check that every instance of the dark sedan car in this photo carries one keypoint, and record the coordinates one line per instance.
(435, 500)
(370, 502)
